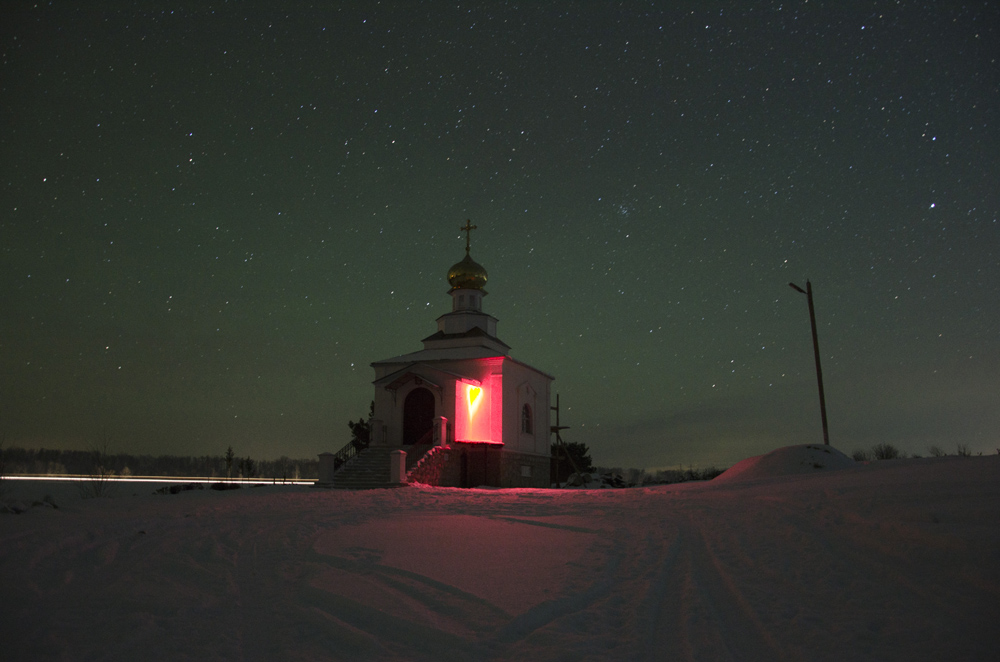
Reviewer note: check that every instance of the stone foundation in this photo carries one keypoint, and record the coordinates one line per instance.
(472, 465)
(524, 470)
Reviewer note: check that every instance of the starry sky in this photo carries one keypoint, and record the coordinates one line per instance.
(215, 216)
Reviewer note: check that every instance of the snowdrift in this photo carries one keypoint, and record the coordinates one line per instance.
(789, 460)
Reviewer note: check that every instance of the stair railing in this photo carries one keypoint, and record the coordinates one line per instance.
(353, 447)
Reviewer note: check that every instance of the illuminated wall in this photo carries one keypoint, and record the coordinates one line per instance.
(474, 413)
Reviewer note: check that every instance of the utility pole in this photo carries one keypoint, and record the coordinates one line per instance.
(819, 370)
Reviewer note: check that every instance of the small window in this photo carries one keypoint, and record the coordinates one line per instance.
(526, 423)
(525, 471)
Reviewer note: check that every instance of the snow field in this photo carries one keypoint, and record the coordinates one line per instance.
(896, 560)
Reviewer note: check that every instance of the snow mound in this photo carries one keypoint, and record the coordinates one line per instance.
(789, 460)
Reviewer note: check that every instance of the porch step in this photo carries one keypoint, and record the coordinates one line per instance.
(369, 469)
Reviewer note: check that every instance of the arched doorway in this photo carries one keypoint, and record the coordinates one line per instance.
(418, 416)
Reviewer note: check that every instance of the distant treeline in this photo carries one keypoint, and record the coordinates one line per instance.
(641, 477)
(48, 461)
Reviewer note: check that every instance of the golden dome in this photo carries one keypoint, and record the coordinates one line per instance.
(467, 275)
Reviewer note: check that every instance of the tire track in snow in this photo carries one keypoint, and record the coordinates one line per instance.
(413, 614)
(739, 628)
(436, 596)
(694, 608)
(659, 610)
(551, 610)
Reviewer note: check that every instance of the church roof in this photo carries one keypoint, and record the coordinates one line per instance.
(445, 354)
(425, 356)
(474, 332)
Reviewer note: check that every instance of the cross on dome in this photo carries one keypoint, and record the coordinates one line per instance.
(468, 227)
(467, 274)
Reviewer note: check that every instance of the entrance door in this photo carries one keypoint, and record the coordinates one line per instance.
(418, 416)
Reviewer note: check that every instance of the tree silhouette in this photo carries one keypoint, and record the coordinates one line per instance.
(570, 458)
(361, 431)
(230, 456)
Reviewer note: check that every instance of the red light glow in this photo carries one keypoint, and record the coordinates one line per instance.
(474, 414)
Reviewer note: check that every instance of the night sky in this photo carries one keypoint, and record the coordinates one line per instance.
(215, 217)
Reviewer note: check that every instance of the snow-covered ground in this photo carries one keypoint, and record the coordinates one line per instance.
(778, 559)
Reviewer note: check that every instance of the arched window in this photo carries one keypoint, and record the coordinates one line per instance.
(526, 424)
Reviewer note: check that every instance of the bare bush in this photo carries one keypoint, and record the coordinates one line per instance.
(862, 455)
(935, 451)
(885, 452)
(962, 450)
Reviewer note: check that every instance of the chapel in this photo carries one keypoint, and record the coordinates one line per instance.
(463, 410)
